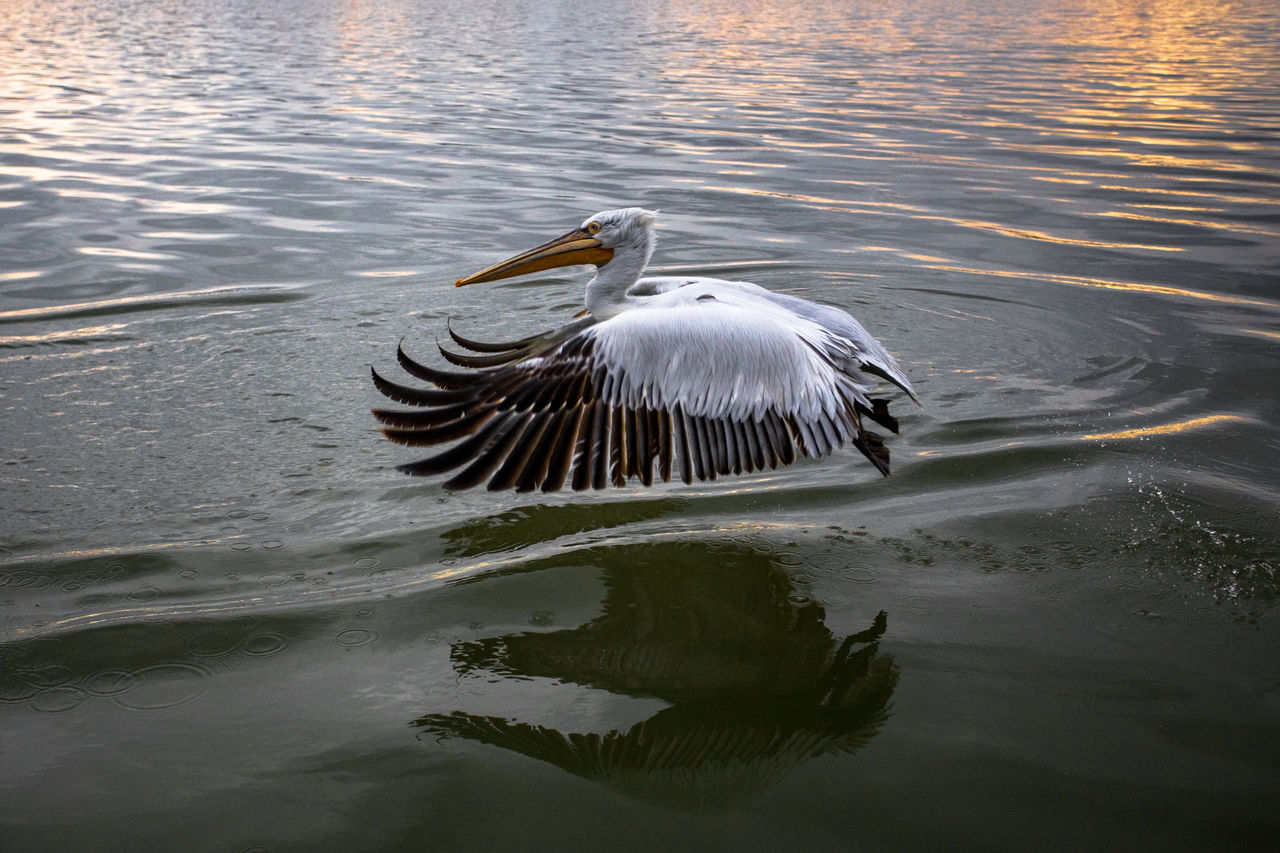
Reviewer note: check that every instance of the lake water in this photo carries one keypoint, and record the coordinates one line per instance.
(227, 624)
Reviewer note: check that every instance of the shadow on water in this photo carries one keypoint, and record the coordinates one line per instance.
(757, 683)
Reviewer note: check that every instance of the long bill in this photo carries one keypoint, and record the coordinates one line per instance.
(576, 247)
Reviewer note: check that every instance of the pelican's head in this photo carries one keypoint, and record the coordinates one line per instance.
(627, 231)
(623, 228)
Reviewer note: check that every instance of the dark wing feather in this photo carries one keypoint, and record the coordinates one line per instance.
(439, 378)
(487, 346)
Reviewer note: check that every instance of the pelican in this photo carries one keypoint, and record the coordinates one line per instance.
(700, 376)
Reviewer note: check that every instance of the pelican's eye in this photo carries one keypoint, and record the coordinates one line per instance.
(593, 228)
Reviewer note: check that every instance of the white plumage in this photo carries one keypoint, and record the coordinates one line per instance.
(699, 375)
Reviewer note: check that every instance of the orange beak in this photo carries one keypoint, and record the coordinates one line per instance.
(576, 247)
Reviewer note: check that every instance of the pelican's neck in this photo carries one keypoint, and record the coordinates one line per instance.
(607, 292)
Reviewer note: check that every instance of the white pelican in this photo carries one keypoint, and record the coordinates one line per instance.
(700, 375)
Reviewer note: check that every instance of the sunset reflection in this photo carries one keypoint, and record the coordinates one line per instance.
(1136, 78)
(229, 623)
(1167, 429)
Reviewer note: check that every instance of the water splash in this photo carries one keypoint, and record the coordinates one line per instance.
(1179, 535)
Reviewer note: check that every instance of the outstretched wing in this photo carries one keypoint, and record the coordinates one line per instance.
(698, 389)
(864, 352)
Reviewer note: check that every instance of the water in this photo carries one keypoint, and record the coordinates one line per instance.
(228, 625)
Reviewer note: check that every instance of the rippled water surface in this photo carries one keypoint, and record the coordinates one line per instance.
(227, 624)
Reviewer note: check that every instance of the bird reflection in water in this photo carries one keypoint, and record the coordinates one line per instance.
(757, 684)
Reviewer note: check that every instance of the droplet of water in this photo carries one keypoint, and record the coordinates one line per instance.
(53, 675)
(24, 579)
(109, 682)
(918, 603)
(16, 688)
(165, 685)
(266, 643)
(55, 699)
(352, 637)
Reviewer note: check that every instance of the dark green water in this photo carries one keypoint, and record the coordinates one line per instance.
(226, 624)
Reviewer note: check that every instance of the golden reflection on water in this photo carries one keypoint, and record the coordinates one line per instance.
(1196, 193)
(1236, 227)
(1167, 429)
(915, 212)
(62, 335)
(1108, 284)
(1101, 95)
(1263, 333)
(1137, 432)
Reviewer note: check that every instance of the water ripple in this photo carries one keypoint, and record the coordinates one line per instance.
(213, 297)
(164, 685)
